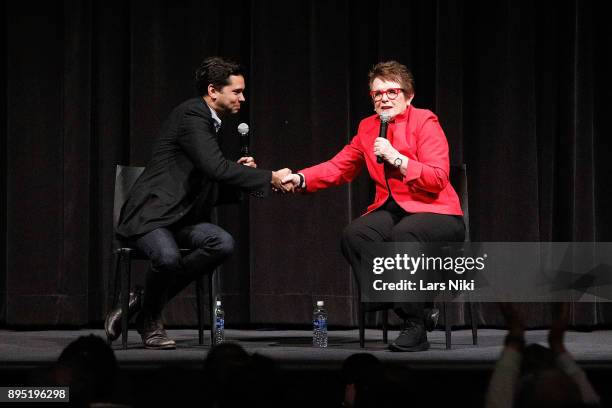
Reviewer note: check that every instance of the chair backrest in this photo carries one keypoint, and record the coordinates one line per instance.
(125, 177)
(458, 179)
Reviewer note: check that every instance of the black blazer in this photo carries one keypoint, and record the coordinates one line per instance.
(185, 173)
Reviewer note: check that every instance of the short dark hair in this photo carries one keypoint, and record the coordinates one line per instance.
(393, 71)
(216, 71)
(91, 368)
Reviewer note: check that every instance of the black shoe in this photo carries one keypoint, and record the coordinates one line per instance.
(112, 324)
(430, 319)
(153, 334)
(412, 338)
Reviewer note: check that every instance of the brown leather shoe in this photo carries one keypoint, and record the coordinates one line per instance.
(153, 335)
(112, 324)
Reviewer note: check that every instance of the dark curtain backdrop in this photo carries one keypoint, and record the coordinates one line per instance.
(521, 88)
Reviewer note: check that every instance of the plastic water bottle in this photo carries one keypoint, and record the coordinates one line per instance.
(219, 323)
(319, 323)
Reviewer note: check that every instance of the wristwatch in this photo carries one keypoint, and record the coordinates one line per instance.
(397, 162)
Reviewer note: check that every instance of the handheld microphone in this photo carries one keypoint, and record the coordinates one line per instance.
(243, 129)
(384, 122)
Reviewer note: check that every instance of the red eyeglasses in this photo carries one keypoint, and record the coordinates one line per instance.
(392, 93)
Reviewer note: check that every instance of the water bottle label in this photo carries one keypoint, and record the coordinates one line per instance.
(320, 323)
(220, 323)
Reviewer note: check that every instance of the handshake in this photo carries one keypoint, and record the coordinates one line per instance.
(284, 181)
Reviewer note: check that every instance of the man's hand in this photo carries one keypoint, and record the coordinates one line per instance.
(384, 149)
(293, 180)
(277, 181)
(248, 161)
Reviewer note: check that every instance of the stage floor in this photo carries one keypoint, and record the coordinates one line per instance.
(437, 377)
(292, 348)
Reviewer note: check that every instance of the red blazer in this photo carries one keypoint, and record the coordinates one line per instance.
(417, 135)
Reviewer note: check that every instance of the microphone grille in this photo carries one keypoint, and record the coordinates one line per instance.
(385, 117)
(243, 128)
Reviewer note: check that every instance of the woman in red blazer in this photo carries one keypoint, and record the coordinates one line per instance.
(414, 200)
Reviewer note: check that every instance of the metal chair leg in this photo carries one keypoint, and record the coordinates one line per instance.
(447, 325)
(200, 306)
(472, 310)
(385, 325)
(361, 325)
(115, 289)
(125, 255)
(211, 307)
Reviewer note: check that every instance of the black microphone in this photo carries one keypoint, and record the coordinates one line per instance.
(243, 129)
(384, 122)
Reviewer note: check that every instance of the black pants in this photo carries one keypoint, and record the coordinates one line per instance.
(391, 223)
(170, 272)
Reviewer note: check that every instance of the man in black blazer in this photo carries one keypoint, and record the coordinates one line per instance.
(170, 204)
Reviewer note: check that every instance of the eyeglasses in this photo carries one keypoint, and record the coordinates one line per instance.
(392, 93)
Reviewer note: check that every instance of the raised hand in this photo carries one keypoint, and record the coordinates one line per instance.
(384, 149)
(513, 317)
(516, 326)
(558, 327)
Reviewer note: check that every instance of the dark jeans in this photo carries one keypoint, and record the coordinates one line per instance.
(392, 224)
(170, 272)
